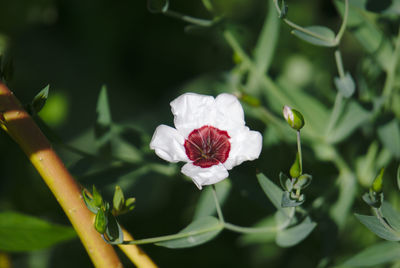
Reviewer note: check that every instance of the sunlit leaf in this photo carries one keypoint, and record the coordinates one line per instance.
(375, 226)
(39, 100)
(345, 85)
(353, 117)
(391, 215)
(327, 36)
(375, 255)
(199, 232)
(389, 134)
(294, 235)
(19, 232)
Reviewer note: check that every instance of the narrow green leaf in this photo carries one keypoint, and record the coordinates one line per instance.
(347, 192)
(389, 134)
(345, 85)
(206, 205)
(391, 215)
(97, 199)
(285, 181)
(199, 232)
(103, 124)
(103, 108)
(90, 203)
(375, 255)
(327, 36)
(118, 199)
(294, 235)
(353, 117)
(375, 226)
(100, 223)
(39, 100)
(19, 232)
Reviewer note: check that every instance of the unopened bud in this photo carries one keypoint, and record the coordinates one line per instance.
(294, 118)
(295, 170)
(378, 182)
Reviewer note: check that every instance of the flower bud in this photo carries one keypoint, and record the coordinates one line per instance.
(295, 170)
(294, 118)
(378, 182)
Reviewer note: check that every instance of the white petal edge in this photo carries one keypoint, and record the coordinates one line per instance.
(192, 111)
(230, 113)
(245, 145)
(168, 144)
(205, 176)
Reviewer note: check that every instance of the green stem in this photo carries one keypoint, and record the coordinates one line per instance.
(197, 21)
(339, 63)
(217, 205)
(299, 28)
(299, 151)
(248, 230)
(391, 73)
(344, 23)
(173, 236)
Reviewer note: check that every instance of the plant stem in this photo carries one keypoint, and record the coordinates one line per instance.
(217, 205)
(299, 151)
(391, 73)
(173, 236)
(21, 127)
(344, 23)
(248, 230)
(135, 253)
(339, 63)
(196, 21)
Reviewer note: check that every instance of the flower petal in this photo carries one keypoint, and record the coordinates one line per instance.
(192, 111)
(245, 145)
(205, 176)
(230, 113)
(168, 144)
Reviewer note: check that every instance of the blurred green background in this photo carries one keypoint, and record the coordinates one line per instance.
(146, 60)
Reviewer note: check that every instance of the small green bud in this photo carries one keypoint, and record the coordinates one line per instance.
(100, 223)
(294, 118)
(119, 199)
(378, 182)
(295, 170)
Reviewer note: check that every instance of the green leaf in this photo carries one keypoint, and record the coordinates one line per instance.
(113, 230)
(375, 226)
(368, 34)
(286, 183)
(389, 134)
(90, 203)
(294, 235)
(97, 199)
(375, 255)
(287, 201)
(345, 85)
(273, 192)
(118, 199)
(264, 237)
(398, 177)
(391, 215)
(353, 117)
(19, 232)
(327, 36)
(199, 232)
(103, 124)
(347, 192)
(39, 100)
(100, 223)
(206, 205)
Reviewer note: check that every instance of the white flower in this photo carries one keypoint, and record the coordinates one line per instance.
(209, 134)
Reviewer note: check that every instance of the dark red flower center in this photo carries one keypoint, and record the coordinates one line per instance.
(207, 146)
